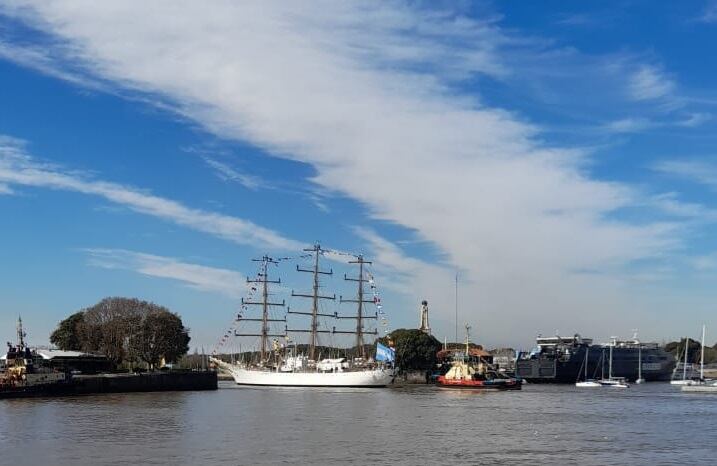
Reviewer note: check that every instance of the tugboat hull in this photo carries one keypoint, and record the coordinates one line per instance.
(499, 384)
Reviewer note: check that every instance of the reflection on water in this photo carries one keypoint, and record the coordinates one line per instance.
(649, 424)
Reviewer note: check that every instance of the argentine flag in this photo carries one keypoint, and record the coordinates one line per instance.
(384, 353)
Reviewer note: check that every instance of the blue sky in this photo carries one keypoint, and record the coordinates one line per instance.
(559, 157)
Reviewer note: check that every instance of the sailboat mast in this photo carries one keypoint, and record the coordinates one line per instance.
(609, 372)
(587, 350)
(702, 355)
(639, 361)
(684, 365)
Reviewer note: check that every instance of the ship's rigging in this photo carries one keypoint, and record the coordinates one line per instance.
(265, 305)
(266, 320)
(360, 315)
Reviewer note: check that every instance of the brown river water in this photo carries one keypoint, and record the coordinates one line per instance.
(651, 424)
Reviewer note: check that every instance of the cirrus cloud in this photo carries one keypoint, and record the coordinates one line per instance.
(364, 93)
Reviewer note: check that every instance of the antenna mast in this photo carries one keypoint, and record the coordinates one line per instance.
(20, 333)
(456, 307)
(315, 296)
(265, 304)
(468, 336)
(360, 302)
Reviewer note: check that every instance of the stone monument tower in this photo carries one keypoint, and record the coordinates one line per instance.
(425, 328)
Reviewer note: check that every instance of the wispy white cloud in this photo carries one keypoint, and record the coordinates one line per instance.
(576, 19)
(404, 271)
(670, 204)
(18, 167)
(695, 119)
(630, 125)
(698, 171)
(649, 82)
(216, 160)
(40, 59)
(363, 93)
(704, 263)
(228, 173)
(5, 189)
(643, 124)
(200, 277)
(709, 15)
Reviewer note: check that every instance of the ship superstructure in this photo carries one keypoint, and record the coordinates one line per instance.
(564, 360)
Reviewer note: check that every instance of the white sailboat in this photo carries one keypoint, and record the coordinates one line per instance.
(704, 385)
(284, 367)
(685, 380)
(701, 380)
(613, 382)
(587, 383)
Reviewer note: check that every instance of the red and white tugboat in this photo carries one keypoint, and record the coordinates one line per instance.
(477, 375)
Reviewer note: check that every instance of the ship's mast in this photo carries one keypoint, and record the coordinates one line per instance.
(360, 315)
(612, 344)
(468, 336)
(702, 355)
(265, 304)
(315, 297)
(639, 361)
(20, 333)
(684, 366)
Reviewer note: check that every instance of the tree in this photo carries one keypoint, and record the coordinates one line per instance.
(414, 349)
(161, 334)
(68, 335)
(678, 349)
(125, 330)
(109, 325)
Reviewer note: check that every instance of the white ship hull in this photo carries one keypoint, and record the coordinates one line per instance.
(700, 388)
(682, 382)
(257, 377)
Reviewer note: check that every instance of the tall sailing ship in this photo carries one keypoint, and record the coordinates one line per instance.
(280, 364)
